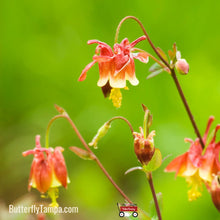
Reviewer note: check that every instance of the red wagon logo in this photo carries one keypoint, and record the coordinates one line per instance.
(127, 209)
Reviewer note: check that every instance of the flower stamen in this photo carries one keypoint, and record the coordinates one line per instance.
(116, 97)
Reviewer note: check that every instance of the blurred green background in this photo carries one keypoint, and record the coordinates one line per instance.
(43, 51)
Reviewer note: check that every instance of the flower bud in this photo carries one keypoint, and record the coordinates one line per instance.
(101, 133)
(182, 66)
(144, 148)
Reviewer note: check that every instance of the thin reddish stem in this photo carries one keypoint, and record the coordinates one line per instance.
(173, 74)
(87, 148)
(124, 119)
(150, 180)
(146, 34)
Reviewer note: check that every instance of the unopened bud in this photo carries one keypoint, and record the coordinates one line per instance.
(101, 133)
(144, 148)
(182, 66)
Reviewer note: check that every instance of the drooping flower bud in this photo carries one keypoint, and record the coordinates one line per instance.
(182, 66)
(144, 148)
(101, 133)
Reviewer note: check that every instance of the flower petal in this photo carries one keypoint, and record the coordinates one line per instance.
(98, 42)
(121, 61)
(142, 56)
(188, 140)
(195, 153)
(188, 170)
(211, 119)
(130, 73)
(60, 166)
(132, 44)
(174, 165)
(105, 48)
(83, 74)
(217, 155)
(214, 136)
(101, 59)
(37, 141)
(205, 171)
(31, 181)
(105, 70)
(43, 173)
(117, 81)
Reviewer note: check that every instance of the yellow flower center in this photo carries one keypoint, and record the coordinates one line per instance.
(116, 97)
(195, 185)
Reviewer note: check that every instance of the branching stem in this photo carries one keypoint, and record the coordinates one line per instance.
(173, 74)
(87, 148)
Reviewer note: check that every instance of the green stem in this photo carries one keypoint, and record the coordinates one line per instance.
(87, 148)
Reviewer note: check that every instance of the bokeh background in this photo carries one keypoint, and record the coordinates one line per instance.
(43, 51)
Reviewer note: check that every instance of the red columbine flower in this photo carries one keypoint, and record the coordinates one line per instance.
(115, 67)
(195, 166)
(186, 165)
(48, 169)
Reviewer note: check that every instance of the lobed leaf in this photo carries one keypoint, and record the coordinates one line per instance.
(155, 162)
(155, 73)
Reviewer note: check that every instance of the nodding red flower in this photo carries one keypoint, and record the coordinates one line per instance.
(48, 168)
(186, 165)
(195, 166)
(116, 66)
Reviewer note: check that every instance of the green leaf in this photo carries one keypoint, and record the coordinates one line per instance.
(155, 73)
(155, 162)
(84, 154)
(174, 48)
(161, 52)
(155, 67)
(133, 169)
(152, 208)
